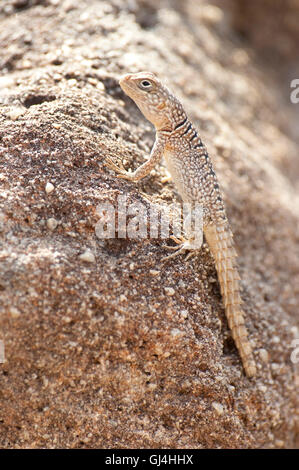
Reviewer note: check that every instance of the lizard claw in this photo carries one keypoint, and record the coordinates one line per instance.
(122, 172)
(184, 245)
(179, 249)
(179, 240)
(190, 254)
(110, 164)
(166, 179)
(168, 247)
(125, 176)
(176, 253)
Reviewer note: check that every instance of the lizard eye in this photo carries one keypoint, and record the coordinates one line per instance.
(145, 85)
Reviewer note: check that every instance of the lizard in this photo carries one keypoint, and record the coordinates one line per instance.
(191, 169)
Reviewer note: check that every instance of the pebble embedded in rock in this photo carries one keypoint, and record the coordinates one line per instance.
(169, 291)
(87, 256)
(52, 223)
(14, 312)
(264, 355)
(218, 408)
(49, 188)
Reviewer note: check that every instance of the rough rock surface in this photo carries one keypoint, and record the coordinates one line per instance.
(106, 345)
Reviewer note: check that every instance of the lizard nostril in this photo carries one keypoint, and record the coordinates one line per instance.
(124, 78)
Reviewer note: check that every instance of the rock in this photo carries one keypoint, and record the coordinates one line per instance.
(52, 223)
(264, 355)
(87, 256)
(49, 188)
(218, 408)
(103, 355)
(169, 291)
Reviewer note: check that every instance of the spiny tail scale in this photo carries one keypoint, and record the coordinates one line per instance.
(220, 242)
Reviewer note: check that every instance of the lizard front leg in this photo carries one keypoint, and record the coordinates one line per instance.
(143, 170)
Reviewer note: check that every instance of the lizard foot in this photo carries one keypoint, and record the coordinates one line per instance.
(183, 245)
(166, 179)
(122, 172)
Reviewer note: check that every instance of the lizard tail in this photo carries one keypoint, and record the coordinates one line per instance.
(220, 242)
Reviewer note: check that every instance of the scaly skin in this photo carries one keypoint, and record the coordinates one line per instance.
(191, 169)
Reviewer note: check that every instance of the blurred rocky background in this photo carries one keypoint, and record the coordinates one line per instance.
(106, 345)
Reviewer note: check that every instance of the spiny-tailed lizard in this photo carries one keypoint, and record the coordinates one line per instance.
(191, 169)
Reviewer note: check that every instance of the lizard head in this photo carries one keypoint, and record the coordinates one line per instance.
(153, 99)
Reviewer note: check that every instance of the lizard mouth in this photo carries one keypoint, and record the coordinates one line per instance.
(127, 86)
